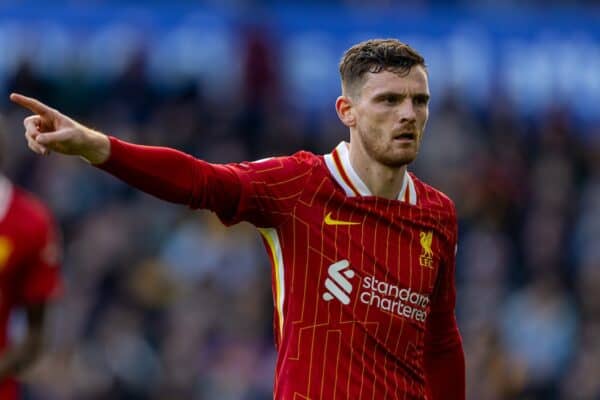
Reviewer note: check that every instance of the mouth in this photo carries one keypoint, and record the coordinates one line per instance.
(405, 136)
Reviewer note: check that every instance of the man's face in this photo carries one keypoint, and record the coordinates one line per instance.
(391, 111)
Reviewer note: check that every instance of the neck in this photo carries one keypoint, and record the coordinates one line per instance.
(382, 181)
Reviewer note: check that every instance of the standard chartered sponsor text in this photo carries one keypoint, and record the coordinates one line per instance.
(391, 298)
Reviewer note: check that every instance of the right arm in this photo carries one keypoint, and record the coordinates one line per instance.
(261, 192)
(174, 176)
(163, 172)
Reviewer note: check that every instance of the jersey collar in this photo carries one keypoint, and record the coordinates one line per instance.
(338, 163)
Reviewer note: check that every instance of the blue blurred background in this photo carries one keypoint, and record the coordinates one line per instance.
(164, 303)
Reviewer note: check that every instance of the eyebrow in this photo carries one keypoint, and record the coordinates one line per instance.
(421, 95)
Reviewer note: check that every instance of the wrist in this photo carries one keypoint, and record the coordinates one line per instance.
(98, 150)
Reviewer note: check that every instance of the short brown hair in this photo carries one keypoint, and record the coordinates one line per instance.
(377, 55)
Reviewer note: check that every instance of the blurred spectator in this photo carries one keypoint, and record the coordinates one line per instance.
(30, 257)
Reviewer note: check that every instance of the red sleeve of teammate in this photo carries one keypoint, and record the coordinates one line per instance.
(41, 276)
(444, 356)
(262, 193)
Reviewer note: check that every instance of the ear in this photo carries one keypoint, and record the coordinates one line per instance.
(345, 111)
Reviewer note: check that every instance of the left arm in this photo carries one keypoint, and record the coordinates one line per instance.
(18, 358)
(444, 356)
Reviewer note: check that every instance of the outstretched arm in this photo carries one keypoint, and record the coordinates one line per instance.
(263, 192)
(163, 172)
(174, 176)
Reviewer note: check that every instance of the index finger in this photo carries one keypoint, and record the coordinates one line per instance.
(32, 104)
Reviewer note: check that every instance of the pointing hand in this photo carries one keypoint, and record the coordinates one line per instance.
(49, 130)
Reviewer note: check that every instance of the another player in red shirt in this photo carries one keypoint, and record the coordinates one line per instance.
(363, 252)
(29, 277)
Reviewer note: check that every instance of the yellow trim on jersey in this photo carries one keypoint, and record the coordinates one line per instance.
(272, 239)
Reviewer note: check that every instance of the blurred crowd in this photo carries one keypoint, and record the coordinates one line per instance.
(352, 3)
(161, 302)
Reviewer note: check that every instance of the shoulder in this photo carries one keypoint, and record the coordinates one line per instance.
(441, 211)
(302, 161)
(430, 197)
(301, 158)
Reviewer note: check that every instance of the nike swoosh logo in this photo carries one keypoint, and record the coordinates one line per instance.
(331, 221)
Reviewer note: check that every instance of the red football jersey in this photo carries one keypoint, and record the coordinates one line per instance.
(363, 286)
(29, 256)
(355, 276)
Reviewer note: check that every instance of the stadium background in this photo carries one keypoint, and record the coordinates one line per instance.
(161, 302)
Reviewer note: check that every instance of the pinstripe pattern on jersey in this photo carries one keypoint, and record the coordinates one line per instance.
(330, 350)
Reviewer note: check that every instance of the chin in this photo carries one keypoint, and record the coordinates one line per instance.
(400, 158)
(398, 161)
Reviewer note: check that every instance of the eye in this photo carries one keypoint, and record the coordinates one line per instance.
(421, 100)
(390, 99)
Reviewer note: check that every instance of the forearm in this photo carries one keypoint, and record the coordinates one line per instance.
(163, 172)
(172, 175)
(95, 148)
(166, 173)
(446, 374)
(445, 360)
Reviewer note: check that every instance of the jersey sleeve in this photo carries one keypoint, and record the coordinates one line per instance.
(41, 275)
(262, 192)
(269, 189)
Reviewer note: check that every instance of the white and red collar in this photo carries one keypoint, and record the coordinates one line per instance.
(6, 190)
(338, 163)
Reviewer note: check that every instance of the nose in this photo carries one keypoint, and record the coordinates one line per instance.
(406, 110)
